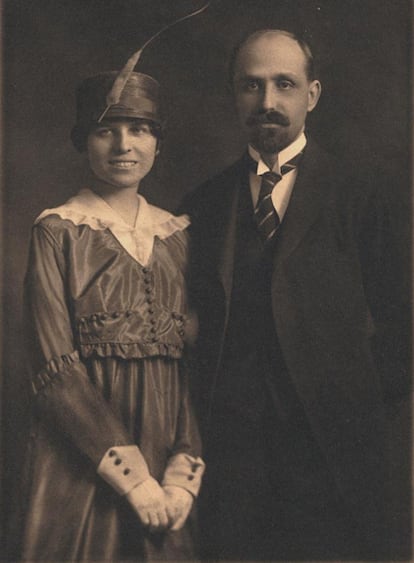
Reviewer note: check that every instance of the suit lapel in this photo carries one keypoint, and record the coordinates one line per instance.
(302, 212)
(304, 205)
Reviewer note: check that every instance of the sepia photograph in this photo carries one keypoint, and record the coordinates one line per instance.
(206, 314)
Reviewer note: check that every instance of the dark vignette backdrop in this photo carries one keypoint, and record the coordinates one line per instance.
(49, 45)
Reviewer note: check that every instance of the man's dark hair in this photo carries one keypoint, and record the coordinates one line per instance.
(309, 60)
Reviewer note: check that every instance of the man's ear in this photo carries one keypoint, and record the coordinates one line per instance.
(314, 94)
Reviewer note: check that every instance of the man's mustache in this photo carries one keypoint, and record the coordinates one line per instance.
(271, 116)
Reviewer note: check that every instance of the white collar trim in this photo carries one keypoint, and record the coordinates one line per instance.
(88, 208)
(284, 155)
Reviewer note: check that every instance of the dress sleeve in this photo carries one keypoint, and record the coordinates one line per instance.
(185, 467)
(65, 398)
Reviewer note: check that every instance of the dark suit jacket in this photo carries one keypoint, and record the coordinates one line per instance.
(336, 308)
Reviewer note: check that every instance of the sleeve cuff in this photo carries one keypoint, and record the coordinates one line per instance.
(184, 471)
(123, 467)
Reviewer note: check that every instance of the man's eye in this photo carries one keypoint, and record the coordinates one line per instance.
(285, 84)
(252, 85)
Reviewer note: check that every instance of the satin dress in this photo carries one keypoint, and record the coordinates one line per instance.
(107, 323)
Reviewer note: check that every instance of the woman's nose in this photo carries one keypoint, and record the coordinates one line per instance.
(123, 142)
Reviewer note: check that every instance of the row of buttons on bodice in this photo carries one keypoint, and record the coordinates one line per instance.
(149, 290)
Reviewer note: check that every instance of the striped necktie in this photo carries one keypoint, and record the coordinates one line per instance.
(265, 214)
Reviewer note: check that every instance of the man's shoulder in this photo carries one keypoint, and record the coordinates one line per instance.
(207, 193)
(319, 156)
(230, 173)
(355, 182)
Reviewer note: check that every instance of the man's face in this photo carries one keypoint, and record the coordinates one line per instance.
(273, 94)
(121, 151)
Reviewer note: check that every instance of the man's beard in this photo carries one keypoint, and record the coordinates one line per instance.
(268, 139)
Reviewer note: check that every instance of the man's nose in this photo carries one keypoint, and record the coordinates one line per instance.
(270, 96)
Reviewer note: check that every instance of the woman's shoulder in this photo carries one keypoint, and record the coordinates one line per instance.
(52, 224)
(160, 218)
(68, 218)
(77, 209)
(159, 222)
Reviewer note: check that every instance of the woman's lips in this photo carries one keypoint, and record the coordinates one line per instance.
(123, 163)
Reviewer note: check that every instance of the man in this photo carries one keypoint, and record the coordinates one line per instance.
(297, 329)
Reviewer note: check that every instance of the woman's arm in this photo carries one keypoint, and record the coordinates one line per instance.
(65, 398)
(185, 468)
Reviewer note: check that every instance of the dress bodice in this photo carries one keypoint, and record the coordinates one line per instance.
(118, 306)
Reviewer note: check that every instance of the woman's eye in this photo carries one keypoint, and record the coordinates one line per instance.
(102, 132)
(139, 129)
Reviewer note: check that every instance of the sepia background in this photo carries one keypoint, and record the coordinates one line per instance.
(50, 45)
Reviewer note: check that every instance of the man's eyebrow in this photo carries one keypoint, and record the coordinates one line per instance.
(286, 76)
(246, 77)
(277, 76)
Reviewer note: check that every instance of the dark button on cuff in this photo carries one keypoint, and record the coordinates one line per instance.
(127, 471)
(118, 461)
(190, 477)
(112, 453)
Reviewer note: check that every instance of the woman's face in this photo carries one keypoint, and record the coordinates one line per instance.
(121, 151)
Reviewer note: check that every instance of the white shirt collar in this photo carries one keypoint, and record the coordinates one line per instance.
(283, 156)
(88, 208)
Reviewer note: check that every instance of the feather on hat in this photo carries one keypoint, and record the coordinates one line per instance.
(121, 80)
(119, 94)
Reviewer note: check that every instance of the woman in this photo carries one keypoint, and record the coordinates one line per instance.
(113, 461)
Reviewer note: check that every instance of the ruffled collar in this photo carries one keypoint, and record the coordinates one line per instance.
(88, 208)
